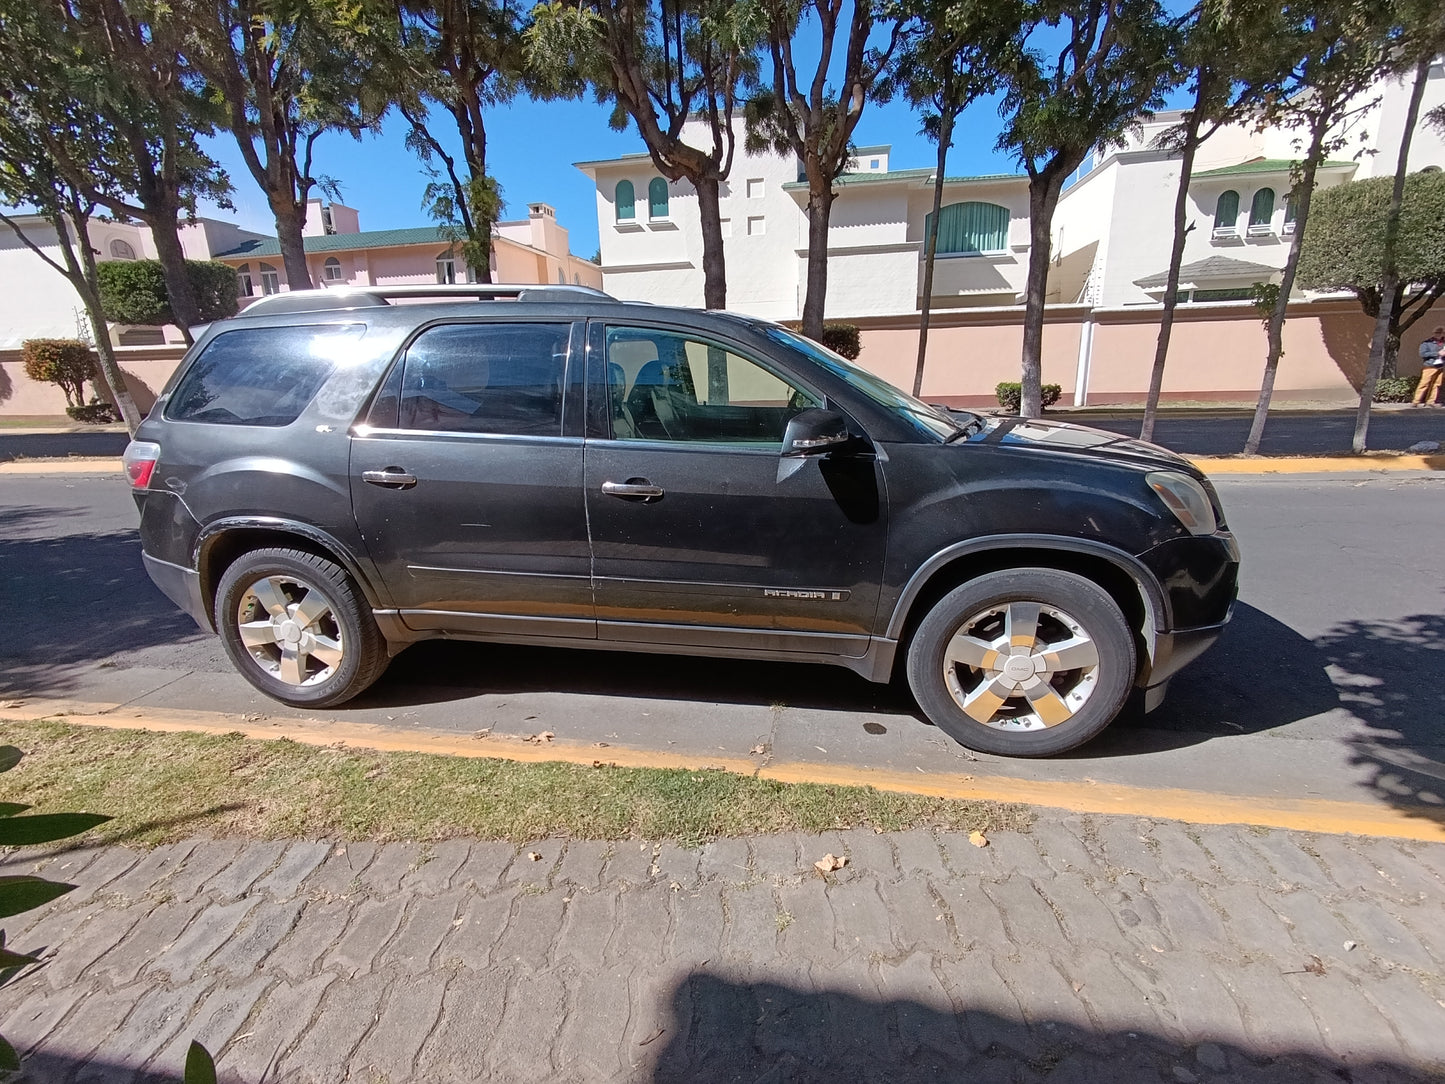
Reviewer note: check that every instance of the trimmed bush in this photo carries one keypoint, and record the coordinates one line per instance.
(843, 339)
(66, 363)
(134, 291)
(1011, 393)
(95, 412)
(1394, 389)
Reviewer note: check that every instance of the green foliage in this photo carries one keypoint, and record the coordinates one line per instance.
(1265, 298)
(1010, 395)
(200, 1068)
(1344, 249)
(1394, 389)
(66, 363)
(842, 339)
(95, 412)
(134, 291)
(19, 894)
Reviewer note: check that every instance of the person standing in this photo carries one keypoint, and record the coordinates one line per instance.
(1432, 367)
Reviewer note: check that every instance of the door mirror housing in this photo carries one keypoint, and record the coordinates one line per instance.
(815, 431)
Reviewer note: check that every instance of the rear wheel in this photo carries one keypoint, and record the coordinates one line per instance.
(1027, 662)
(297, 628)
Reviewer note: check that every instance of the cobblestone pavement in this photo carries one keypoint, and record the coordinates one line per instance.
(1091, 949)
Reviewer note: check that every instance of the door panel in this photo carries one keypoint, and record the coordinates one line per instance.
(742, 548)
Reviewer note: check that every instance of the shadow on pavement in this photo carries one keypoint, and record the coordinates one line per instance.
(1392, 677)
(723, 1030)
(46, 445)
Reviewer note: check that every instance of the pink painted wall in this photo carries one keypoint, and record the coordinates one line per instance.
(146, 370)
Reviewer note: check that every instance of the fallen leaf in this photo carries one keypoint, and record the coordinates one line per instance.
(483, 733)
(758, 750)
(13, 704)
(977, 838)
(829, 863)
(1316, 966)
(675, 886)
(539, 739)
(534, 856)
(658, 1034)
(600, 744)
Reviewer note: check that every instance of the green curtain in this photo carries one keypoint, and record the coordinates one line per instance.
(657, 198)
(1261, 208)
(1226, 211)
(626, 202)
(970, 227)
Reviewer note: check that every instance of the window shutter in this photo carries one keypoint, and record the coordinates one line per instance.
(626, 202)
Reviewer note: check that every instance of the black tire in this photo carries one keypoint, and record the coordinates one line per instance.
(1072, 609)
(347, 625)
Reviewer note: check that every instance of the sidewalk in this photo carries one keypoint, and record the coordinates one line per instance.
(1090, 949)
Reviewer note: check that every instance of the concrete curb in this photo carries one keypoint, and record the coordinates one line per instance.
(1197, 807)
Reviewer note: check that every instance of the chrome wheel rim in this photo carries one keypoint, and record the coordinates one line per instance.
(289, 627)
(1021, 666)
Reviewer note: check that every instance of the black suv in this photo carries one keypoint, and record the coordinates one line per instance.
(336, 474)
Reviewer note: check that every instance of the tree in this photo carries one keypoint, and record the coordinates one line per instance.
(662, 64)
(1078, 76)
(467, 57)
(1347, 250)
(942, 76)
(1424, 37)
(127, 62)
(288, 71)
(1340, 47)
(138, 291)
(41, 113)
(813, 121)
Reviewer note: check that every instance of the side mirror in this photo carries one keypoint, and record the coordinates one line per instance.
(814, 431)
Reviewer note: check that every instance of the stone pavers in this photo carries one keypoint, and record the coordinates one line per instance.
(1093, 949)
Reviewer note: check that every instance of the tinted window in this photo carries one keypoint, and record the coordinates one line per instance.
(261, 376)
(665, 386)
(486, 378)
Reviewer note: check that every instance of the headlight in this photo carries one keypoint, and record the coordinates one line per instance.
(1186, 499)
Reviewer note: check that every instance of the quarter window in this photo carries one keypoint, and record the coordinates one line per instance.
(657, 198)
(486, 378)
(261, 376)
(970, 228)
(670, 387)
(626, 202)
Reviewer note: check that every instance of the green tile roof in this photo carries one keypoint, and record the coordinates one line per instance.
(1264, 165)
(343, 242)
(922, 174)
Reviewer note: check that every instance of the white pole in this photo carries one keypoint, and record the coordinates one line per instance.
(1086, 354)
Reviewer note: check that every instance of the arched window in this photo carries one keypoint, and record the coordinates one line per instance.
(244, 281)
(121, 250)
(970, 228)
(657, 198)
(270, 280)
(446, 269)
(626, 201)
(1226, 214)
(561, 277)
(331, 270)
(1261, 211)
(1291, 208)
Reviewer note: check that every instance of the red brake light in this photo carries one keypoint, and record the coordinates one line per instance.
(140, 462)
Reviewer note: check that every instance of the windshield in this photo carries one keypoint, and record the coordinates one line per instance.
(929, 419)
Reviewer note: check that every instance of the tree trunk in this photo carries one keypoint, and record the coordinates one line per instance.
(1176, 257)
(165, 229)
(82, 276)
(1390, 285)
(1043, 198)
(820, 206)
(930, 249)
(1281, 304)
(293, 248)
(714, 267)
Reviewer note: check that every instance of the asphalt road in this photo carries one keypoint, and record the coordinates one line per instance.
(1329, 683)
(1189, 434)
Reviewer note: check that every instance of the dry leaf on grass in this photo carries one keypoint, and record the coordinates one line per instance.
(977, 838)
(829, 863)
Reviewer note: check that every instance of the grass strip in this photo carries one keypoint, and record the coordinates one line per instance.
(165, 787)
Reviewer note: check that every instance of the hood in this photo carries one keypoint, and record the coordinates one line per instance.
(1067, 438)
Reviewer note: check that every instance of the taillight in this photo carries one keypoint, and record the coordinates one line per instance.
(140, 462)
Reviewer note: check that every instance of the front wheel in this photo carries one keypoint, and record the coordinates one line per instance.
(1027, 662)
(297, 628)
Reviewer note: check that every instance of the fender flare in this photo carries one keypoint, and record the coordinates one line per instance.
(213, 531)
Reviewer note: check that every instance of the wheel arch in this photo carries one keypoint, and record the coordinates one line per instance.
(1126, 579)
(221, 543)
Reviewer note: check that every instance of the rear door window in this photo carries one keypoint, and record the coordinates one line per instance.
(261, 376)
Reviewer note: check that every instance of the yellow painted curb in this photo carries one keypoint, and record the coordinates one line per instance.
(1087, 796)
(61, 466)
(1325, 464)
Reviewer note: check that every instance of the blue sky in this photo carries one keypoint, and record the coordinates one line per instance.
(531, 147)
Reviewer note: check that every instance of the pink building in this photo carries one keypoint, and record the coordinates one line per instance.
(339, 253)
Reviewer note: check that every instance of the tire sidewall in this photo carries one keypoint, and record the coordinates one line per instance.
(324, 576)
(1083, 600)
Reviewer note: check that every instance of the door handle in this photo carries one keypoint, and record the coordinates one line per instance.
(390, 478)
(634, 489)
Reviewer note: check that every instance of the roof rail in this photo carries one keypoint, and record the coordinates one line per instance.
(357, 297)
